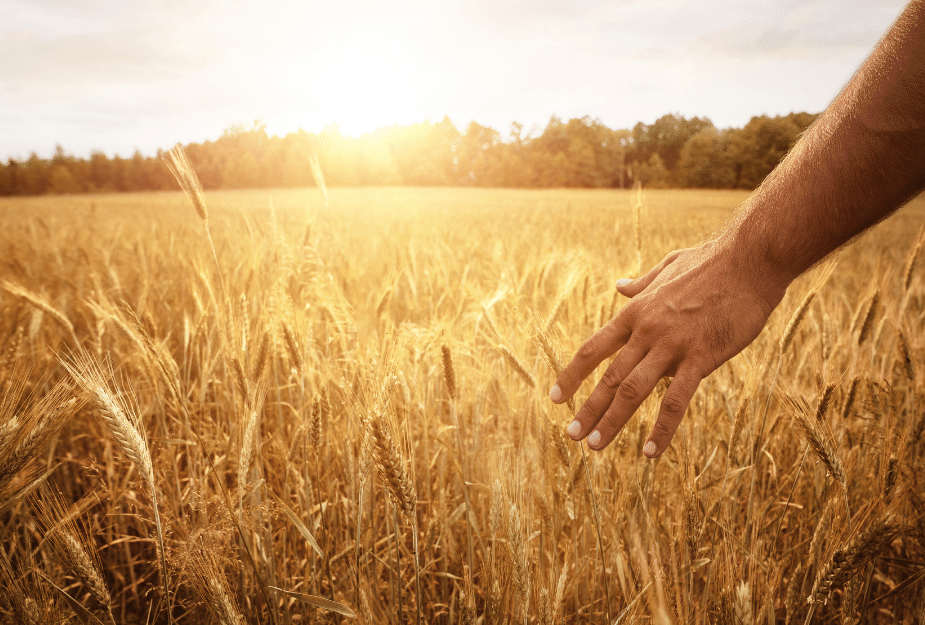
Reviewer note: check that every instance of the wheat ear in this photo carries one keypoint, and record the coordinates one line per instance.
(905, 353)
(25, 433)
(209, 581)
(125, 426)
(449, 371)
(863, 547)
(867, 317)
(517, 366)
(910, 261)
(186, 176)
(795, 320)
(39, 302)
(742, 606)
(390, 466)
(73, 545)
(816, 434)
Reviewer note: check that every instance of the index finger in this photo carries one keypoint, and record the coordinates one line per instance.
(605, 343)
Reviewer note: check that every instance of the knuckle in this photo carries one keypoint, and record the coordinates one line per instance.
(627, 314)
(673, 405)
(630, 390)
(612, 422)
(647, 327)
(610, 380)
(588, 350)
(662, 431)
(586, 415)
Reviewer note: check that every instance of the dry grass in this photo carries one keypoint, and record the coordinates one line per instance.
(341, 413)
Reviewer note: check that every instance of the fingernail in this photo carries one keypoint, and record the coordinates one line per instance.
(623, 282)
(574, 429)
(555, 394)
(595, 439)
(649, 449)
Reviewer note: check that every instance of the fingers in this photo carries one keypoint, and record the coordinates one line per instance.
(674, 405)
(607, 388)
(632, 288)
(628, 395)
(603, 344)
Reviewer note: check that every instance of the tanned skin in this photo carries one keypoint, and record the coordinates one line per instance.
(861, 160)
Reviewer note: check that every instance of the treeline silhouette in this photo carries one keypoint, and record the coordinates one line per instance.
(672, 152)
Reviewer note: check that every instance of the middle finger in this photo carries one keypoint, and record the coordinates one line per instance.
(603, 394)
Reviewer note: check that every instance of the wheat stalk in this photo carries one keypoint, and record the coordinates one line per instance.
(390, 465)
(42, 304)
(399, 484)
(210, 583)
(125, 426)
(816, 433)
(910, 260)
(73, 546)
(449, 379)
(39, 421)
(862, 547)
(517, 366)
(186, 176)
(795, 320)
(867, 316)
(318, 175)
(449, 372)
(638, 202)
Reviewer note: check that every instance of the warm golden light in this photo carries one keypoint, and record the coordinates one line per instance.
(361, 79)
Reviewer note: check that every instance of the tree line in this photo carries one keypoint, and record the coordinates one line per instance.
(671, 152)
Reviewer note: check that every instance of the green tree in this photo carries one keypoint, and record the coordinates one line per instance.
(473, 156)
(705, 161)
(653, 173)
(61, 180)
(762, 143)
(8, 177)
(101, 174)
(665, 138)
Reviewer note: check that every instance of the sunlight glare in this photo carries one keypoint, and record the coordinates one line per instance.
(372, 78)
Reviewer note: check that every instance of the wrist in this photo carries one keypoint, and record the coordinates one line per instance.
(749, 257)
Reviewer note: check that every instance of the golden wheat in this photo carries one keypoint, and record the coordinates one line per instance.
(425, 361)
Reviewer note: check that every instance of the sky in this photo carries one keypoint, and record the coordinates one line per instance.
(125, 75)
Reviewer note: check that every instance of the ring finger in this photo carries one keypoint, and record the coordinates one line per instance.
(633, 390)
(603, 394)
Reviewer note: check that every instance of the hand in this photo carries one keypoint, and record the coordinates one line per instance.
(694, 311)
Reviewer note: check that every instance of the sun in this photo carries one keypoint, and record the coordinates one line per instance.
(361, 78)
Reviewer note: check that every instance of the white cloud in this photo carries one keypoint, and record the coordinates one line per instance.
(147, 73)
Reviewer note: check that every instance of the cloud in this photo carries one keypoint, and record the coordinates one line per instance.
(90, 60)
(105, 73)
(753, 42)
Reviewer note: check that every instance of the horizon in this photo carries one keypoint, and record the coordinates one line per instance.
(532, 133)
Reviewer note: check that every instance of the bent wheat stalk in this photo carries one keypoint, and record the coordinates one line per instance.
(862, 548)
(125, 426)
(186, 176)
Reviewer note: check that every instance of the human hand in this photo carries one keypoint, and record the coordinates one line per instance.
(691, 313)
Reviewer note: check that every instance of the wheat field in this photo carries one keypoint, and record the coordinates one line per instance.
(341, 414)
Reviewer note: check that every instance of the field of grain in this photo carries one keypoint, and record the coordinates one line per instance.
(343, 414)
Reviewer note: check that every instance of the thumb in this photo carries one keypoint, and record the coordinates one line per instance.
(632, 288)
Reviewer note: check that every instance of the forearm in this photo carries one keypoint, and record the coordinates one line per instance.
(859, 162)
(701, 306)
